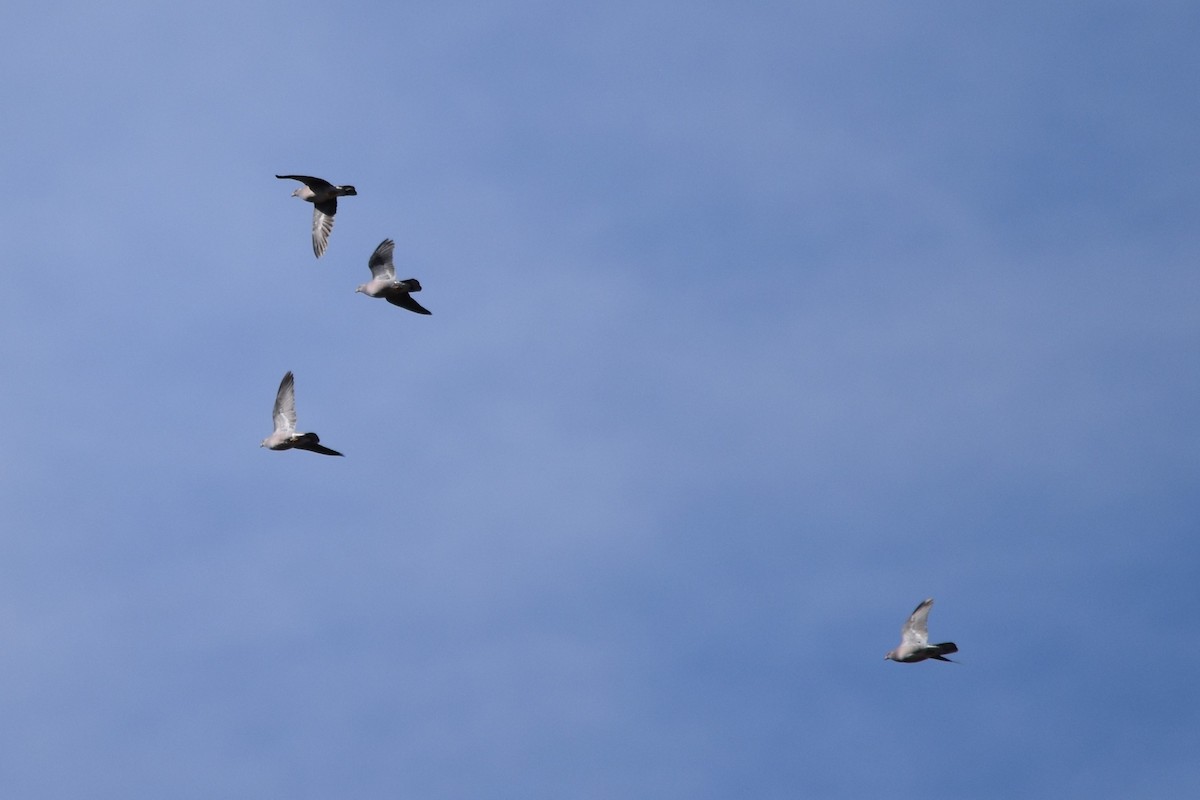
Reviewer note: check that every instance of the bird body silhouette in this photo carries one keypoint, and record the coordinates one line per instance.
(914, 639)
(285, 436)
(323, 195)
(383, 281)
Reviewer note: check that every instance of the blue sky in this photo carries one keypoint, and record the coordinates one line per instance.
(753, 325)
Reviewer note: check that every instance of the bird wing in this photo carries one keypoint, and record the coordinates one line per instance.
(916, 631)
(284, 415)
(316, 184)
(322, 225)
(312, 443)
(405, 300)
(320, 448)
(382, 267)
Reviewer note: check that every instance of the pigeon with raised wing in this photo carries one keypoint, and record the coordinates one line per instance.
(383, 281)
(323, 195)
(285, 436)
(914, 639)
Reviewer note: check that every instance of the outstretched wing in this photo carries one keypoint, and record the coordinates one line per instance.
(316, 184)
(312, 443)
(284, 415)
(382, 267)
(322, 225)
(916, 630)
(405, 300)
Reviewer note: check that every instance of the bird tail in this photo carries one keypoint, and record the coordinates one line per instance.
(411, 285)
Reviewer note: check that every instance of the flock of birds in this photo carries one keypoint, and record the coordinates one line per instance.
(914, 635)
(324, 196)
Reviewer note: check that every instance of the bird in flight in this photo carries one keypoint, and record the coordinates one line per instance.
(383, 281)
(285, 437)
(914, 639)
(323, 195)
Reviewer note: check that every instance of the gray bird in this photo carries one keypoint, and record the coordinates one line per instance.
(323, 195)
(285, 436)
(914, 639)
(383, 281)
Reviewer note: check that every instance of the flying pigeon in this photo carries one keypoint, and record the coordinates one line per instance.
(285, 437)
(914, 639)
(323, 195)
(383, 281)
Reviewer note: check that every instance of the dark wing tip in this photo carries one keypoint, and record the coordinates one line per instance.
(311, 442)
(404, 300)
